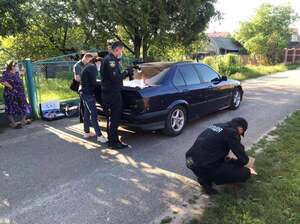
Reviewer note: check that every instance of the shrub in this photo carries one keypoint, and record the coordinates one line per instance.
(224, 64)
(211, 61)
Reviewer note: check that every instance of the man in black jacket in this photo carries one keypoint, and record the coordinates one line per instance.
(208, 160)
(87, 93)
(111, 84)
(77, 70)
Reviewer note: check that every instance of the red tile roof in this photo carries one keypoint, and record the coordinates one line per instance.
(219, 34)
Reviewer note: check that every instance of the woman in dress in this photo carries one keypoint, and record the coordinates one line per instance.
(14, 95)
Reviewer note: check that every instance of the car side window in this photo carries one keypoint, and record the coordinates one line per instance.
(206, 73)
(189, 74)
(178, 80)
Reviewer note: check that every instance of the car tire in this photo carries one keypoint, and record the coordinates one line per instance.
(175, 121)
(236, 99)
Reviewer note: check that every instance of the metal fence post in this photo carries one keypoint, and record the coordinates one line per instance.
(32, 94)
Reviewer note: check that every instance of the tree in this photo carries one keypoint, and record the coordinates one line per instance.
(267, 33)
(56, 22)
(148, 22)
(12, 17)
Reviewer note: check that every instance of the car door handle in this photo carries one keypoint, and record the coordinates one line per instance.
(185, 91)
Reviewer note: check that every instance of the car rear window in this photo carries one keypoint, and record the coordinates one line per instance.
(152, 74)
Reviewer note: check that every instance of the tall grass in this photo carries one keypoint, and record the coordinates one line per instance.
(251, 71)
(230, 65)
(55, 88)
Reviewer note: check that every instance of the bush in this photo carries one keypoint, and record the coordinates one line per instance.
(232, 63)
(211, 61)
(224, 64)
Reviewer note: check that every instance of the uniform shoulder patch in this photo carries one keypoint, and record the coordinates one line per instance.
(215, 128)
(112, 64)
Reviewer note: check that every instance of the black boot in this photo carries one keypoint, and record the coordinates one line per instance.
(117, 145)
(207, 186)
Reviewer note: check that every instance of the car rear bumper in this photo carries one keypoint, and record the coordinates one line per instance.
(145, 121)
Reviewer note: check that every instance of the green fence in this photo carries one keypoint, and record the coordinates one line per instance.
(52, 78)
(49, 79)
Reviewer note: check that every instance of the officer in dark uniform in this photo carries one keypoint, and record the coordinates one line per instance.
(208, 160)
(111, 84)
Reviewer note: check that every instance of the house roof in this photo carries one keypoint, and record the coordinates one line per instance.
(294, 30)
(226, 43)
(219, 34)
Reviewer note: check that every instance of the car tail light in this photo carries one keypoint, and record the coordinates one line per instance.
(141, 104)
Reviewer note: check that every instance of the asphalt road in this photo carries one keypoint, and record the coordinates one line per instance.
(49, 174)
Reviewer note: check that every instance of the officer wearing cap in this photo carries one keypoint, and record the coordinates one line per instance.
(111, 84)
(208, 160)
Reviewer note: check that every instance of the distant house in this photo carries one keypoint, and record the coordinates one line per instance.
(219, 43)
(223, 43)
(219, 34)
(292, 52)
(295, 39)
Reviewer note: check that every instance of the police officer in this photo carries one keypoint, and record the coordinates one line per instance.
(111, 84)
(208, 160)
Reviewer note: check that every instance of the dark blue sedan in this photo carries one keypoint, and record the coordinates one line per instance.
(164, 96)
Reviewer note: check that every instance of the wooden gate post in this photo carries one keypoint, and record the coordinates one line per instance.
(294, 55)
(285, 55)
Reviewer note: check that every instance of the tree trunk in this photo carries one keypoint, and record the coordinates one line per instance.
(137, 43)
(145, 49)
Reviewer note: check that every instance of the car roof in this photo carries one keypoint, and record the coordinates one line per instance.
(188, 63)
(165, 64)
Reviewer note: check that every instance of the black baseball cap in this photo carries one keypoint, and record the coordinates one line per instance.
(240, 122)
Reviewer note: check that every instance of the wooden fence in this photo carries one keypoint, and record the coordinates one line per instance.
(291, 55)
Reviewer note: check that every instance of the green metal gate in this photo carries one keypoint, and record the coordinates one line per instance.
(50, 79)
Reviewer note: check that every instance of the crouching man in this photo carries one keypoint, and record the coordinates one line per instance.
(208, 157)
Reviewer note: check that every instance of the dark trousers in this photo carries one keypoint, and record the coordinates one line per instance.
(225, 173)
(90, 113)
(113, 105)
(81, 110)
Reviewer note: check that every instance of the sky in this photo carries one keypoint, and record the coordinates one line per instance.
(235, 11)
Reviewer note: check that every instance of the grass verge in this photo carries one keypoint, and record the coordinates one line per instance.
(274, 195)
(56, 88)
(251, 71)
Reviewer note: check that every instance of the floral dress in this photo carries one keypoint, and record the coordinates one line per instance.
(15, 99)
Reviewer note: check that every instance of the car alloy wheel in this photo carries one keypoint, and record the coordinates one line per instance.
(237, 99)
(177, 120)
